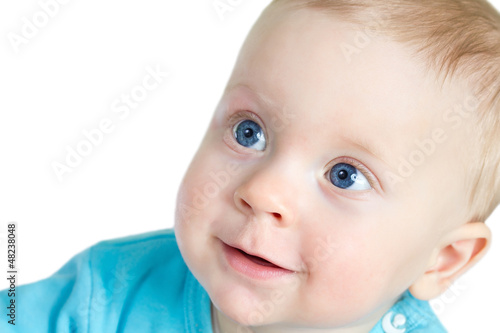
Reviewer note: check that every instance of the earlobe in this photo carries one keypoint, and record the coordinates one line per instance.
(458, 252)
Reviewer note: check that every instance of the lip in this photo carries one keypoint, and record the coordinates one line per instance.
(253, 266)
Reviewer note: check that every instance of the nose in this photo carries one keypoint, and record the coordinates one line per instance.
(267, 196)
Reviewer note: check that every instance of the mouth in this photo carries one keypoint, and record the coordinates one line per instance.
(258, 260)
(253, 266)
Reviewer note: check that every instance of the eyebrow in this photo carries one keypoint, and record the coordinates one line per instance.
(236, 85)
(261, 98)
(369, 147)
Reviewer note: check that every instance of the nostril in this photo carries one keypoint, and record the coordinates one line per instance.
(277, 215)
(245, 204)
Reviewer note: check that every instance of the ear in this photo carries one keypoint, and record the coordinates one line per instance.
(459, 250)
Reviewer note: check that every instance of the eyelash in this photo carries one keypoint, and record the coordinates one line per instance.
(349, 160)
(233, 118)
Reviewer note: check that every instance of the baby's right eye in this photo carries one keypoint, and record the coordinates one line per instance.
(249, 134)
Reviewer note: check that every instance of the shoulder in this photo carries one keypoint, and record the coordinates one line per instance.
(131, 264)
(164, 238)
(136, 259)
(127, 275)
(151, 236)
(145, 249)
(126, 284)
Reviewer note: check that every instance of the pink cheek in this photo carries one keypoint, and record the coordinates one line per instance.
(348, 280)
(207, 190)
(347, 274)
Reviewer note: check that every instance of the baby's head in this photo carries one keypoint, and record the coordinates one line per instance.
(354, 155)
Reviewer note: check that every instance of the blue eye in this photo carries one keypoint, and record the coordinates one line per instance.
(249, 134)
(347, 177)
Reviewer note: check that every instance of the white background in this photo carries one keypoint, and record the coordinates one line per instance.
(65, 79)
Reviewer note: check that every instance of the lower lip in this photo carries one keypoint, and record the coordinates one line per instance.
(243, 264)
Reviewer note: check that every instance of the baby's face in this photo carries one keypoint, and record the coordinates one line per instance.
(302, 167)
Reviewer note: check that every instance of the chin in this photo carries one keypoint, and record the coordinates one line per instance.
(243, 306)
(242, 316)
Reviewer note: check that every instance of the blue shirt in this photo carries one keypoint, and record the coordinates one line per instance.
(141, 284)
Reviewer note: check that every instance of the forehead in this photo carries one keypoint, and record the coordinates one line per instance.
(295, 62)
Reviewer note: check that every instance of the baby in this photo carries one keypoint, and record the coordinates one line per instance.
(344, 181)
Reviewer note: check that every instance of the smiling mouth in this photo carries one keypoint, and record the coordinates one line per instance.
(253, 266)
(258, 260)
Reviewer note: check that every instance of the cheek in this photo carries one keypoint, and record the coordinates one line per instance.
(206, 189)
(354, 266)
(201, 197)
(357, 263)
(207, 180)
(343, 289)
(193, 200)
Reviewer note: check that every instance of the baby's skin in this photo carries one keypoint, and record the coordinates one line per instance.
(294, 214)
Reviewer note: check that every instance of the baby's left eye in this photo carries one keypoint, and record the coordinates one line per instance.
(249, 134)
(347, 177)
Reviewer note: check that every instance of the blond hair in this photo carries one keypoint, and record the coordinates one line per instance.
(458, 39)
